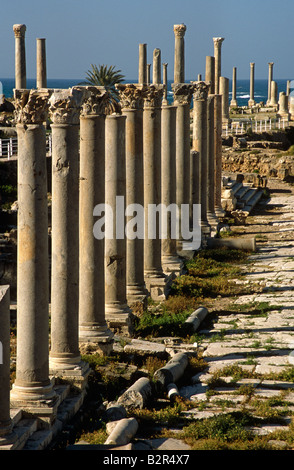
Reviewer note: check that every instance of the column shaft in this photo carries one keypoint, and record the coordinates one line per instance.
(251, 100)
(270, 78)
(217, 55)
(156, 66)
(234, 102)
(20, 56)
(224, 91)
(218, 154)
(210, 73)
(41, 63)
(142, 63)
(211, 217)
(179, 64)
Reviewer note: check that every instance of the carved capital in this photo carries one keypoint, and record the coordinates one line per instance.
(31, 106)
(131, 95)
(182, 92)
(66, 105)
(179, 30)
(218, 42)
(96, 101)
(200, 90)
(153, 96)
(19, 30)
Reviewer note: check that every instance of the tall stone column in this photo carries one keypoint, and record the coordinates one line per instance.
(7, 436)
(20, 56)
(170, 260)
(117, 310)
(41, 81)
(65, 359)
(283, 111)
(274, 94)
(164, 81)
(33, 388)
(210, 73)
(224, 91)
(218, 155)
(132, 100)
(179, 64)
(155, 279)
(270, 78)
(93, 329)
(156, 79)
(200, 144)
(234, 103)
(217, 55)
(251, 101)
(148, 79)
(142, 63)
(182, 100)
(194, 184)
(211, 216)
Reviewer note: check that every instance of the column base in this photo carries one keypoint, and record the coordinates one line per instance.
(172, 265)
(233, 104)
(121, 321)
(220, 213)
(76, 376)
(159, 287)
(137, 295)
(7, 435)
(40, 401)
(95, 338)
(251, 103)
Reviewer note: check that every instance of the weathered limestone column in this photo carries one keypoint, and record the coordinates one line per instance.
(117, 311)
(217, 55)
(224, 91)
(194, 183)
(132, 100)
(7, 436)
(218, 155)
(164, 81)
(234, 103)
(251, 101)
(155, 279)
(41, 81)
(211, 216)
(65, 359)
(283, 111)
(200, 144)
(182, 100)
(210, 73)
(148, 79)
(270, 78)
(170, 260)
(156, 78)
(20, 56)
(33, 388)
(142, 63)
(179, 65)
(93, 329)
(274, 94)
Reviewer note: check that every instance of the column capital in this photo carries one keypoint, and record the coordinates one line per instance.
(131, 95)
(179, 30)
(200, 91)
(182, 92)
(218, 41)
(96, 101)
(31, 106)
(153, 96)
(19, 30)
(66, 105)
(252, 64)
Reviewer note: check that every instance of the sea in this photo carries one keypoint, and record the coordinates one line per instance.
(242, 87)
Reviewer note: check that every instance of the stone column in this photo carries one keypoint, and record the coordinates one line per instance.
(155, 279)
(274, 94)
(142, 63)
(65, 359)
(132, 100)
(20, 56)
(156, 79)
(210, 73)
(179, 65)
(148, 66)
(170, 260)
(217, 54)
(164, 81)
(182, 100)
(194, 182)
(224, 91)
(93, 329)
(234, 103)
(270, 78)
(33, 388)
(211, 217)
(117, 310)
(283, 111)
(251, 101)
(200, 144)
(7, 436)
(41, 81)
(218, 155)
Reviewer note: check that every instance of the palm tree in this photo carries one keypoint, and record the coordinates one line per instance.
(105, 76)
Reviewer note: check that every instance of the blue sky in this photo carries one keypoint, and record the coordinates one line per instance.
(81, 32)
